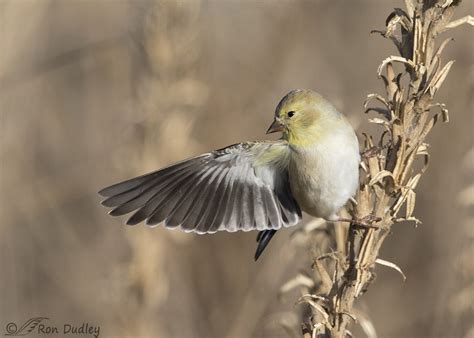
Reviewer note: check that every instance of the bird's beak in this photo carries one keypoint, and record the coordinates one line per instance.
(275, 127)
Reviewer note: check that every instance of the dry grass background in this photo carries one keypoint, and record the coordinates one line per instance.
(92, 92)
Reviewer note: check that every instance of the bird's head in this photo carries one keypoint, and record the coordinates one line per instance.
(303, 116)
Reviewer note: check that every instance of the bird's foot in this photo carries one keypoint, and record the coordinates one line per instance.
(373, 151)
(364, 222)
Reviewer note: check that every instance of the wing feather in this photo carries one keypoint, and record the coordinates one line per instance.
(148, 209)
(198, 206)
(240, 187)
(124, 186)
(217, 204)
(144, 187)
(241, 201)
(231, 220)
(258, 211)
(156, 192)
(209, 206)
(273, 212)
(223, 204)
(161, 210)
(183, 206)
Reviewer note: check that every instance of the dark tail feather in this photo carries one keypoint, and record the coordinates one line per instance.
(263, 238)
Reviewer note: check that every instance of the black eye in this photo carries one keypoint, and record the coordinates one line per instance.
(290, 113)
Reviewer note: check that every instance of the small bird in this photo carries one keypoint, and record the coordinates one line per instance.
(264, 185)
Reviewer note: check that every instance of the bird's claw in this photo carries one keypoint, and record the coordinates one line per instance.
(367, 221)
(364, 222)
(373, 151)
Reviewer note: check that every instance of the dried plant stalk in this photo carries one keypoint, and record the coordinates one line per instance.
(387, 191)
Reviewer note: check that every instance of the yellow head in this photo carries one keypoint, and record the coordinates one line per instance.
(304, 116)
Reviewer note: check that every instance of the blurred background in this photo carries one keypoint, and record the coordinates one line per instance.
(93, 92)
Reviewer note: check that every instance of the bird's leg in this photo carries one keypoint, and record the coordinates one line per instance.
(364, 222)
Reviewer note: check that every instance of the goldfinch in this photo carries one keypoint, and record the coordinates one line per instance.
(263, 186)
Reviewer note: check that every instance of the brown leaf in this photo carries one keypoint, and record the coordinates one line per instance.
(379, 176)
(393, 58)
(439, 78)
(410, 207)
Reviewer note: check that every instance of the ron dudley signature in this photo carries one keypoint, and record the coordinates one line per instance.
(41, 326)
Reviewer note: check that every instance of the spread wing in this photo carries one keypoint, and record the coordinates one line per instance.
(241, 187)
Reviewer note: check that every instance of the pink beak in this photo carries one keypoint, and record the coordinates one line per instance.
(276, 126)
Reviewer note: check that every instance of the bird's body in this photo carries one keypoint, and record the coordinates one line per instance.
(324, 175)
(253, 185)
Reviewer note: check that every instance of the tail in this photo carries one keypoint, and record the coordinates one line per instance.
(263, 238)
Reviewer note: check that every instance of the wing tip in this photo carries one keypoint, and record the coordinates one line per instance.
(131, 221)
(106, 203)
(103, 192)
(114, 213)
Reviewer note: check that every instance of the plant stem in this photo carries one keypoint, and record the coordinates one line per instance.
(387, 191)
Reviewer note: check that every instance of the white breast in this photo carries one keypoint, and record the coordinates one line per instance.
(325, 175)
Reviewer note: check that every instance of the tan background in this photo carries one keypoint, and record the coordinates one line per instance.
(93, 92)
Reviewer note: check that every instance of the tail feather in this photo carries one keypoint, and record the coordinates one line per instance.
(263, 238)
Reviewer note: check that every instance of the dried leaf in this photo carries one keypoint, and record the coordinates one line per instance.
(393, 58)
(391, 87)
(445, 115)
(469, 19)
(316, 297)
(323, 274)
(422, 149)
(391, 265)
(411, 198)
(316, 329)
(446, 3)
(435, 62)
(428, 126)
(315, 305)
(413, 219)
(418, 41)
(299, 280)
(439, 78)
(382, 111)
(398, 15)
(431, 73)
(444, 111)
(377, 120)
(401, 199)
(413, 182)
(350, 315)
(379, 176)
(441, 47)
(377, 97)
